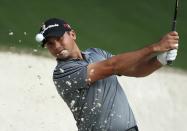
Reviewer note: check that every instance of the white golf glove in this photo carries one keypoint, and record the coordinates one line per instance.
(167, 56)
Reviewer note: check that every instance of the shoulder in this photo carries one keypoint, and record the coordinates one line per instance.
(66, 68)
(96, 50)
(100, 51)
(70, 75)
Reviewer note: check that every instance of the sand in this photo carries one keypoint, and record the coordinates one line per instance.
(29, 100)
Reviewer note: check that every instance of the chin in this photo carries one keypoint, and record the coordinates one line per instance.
(62, 57)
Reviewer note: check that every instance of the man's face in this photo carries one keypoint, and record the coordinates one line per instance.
(62, 47)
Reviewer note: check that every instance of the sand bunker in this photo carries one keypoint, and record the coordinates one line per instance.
(29, 101)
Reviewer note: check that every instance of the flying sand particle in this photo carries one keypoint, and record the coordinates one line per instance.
(55, 82)
(82, 119)
(98, 105)
(11, 33)
(61, 70)
(72, 103)
(68, 83)
(99, 90)
(35, 50)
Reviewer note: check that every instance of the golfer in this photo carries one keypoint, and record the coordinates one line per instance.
(87, 80)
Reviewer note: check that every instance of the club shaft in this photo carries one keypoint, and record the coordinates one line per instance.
(175, 16)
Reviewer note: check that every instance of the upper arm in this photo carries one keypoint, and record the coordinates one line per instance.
(99, 70)
(70, 77)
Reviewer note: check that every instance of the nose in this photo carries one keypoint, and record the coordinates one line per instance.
(57, 46)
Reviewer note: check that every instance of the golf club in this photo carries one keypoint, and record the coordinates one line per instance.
(174, 22)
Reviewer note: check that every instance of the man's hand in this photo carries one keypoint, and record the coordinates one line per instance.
(167, 46)
(167, 56)
(168, 42)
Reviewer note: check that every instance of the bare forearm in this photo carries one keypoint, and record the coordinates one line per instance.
(123, 63)
(145, 68)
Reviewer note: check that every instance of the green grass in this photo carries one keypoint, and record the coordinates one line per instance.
(117, 26)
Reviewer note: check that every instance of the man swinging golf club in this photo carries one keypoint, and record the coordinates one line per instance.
(87, 81)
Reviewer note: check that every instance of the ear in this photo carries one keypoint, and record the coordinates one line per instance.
(73, 34)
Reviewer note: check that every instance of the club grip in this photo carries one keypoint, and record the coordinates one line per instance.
(169, 62)
(174, 25)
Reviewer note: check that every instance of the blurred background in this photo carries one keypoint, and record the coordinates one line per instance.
(117, 26)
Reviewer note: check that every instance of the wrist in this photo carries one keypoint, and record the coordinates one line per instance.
(155, 48)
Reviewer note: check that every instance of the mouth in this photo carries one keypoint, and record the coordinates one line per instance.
(63, 53)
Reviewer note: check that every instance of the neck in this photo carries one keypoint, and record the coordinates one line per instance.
(77, 54)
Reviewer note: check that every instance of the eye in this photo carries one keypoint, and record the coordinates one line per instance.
(49, 44)
(61, 38)
(58, 38)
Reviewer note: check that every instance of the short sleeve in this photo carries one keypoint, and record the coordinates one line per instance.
(71, 76)
(104, 53)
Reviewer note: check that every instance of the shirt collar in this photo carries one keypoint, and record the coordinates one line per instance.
(85, 54)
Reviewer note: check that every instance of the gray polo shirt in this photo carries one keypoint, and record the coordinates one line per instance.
(101, 106)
